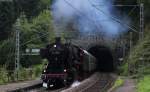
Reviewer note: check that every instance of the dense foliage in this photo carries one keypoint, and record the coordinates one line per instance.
(138, 60)
(35, 34)
(35, 28)
(11, 10)
(143, 85)
(7, 18)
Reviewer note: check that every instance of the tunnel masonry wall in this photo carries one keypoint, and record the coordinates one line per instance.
(104, 57)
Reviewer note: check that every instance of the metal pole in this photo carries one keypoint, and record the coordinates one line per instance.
(17, 50)
(141, 33)
(129, 67)
(124, 49)
(131, 40)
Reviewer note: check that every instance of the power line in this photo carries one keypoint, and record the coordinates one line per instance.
(119, 5)
(117, 20)
(48, 32)
(133, 28)
(42, 36)
(132, 10)
(11, 53)
(112, 17)
(82, 14)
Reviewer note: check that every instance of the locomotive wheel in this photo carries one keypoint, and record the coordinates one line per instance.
(71, 78)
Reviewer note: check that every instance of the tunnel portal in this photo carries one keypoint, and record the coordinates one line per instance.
(104, 57)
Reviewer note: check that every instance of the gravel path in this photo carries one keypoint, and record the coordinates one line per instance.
(13, 86)
(128, 86)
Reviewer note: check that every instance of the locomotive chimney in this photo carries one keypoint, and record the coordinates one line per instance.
(57, 40)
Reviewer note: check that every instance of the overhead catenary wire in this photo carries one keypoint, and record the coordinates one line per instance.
(122, 23)
(119, 5)
(11, 51)
(132, 10)
(115, 19)
(82, 14)
(42, 36)
(130, 14)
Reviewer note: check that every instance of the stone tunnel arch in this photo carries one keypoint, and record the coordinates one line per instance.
(104, 57)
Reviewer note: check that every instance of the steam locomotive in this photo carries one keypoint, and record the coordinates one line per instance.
(66, 63)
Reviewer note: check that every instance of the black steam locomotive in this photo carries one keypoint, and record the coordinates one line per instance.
(67, 63)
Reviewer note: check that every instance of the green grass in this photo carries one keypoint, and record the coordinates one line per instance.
(3, 76)
(119, 82)
(144, 84)
(124, 69)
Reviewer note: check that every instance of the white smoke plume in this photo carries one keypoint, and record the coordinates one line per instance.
(87, 16)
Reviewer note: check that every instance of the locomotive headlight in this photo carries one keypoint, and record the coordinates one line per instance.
(65, 70)
(44, 71)
(51, 85)
(55, 46)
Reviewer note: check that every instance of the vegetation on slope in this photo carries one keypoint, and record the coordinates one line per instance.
(24, 74)
(119, 82)
(144, 84)
(138, 63)
(36, 30)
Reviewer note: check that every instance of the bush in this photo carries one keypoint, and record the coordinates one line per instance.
(143, 85)
(139, 57)
(37, 70)
(124, 69)
(3, 76)
(119, 82)
(24, 74)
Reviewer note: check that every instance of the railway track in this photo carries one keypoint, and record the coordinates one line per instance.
(100, 85)
(98, 82)
(44, 90)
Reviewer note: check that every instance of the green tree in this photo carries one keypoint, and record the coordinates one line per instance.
(35, 34)
(11, 10)
(7, 18)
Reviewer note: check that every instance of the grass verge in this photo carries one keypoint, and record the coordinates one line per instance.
(144, 84)
(23, 75)
(119, 82)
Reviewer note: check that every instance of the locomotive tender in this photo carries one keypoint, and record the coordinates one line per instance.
(66, 63)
